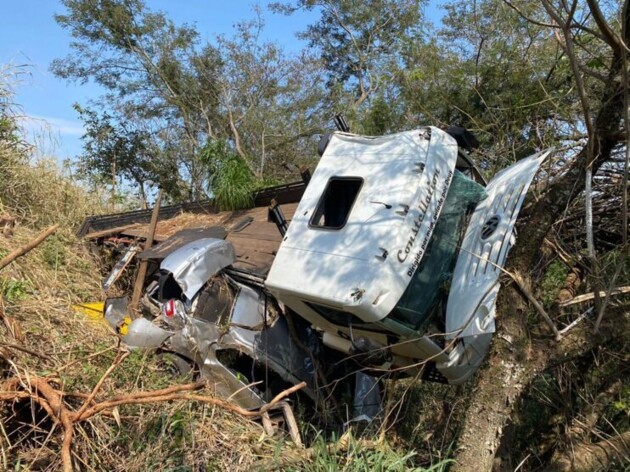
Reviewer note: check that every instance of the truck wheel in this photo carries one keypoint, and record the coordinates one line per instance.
(175, 365)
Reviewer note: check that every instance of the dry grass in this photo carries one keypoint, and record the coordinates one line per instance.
(48, 339)
(43, 340)
(38, 194)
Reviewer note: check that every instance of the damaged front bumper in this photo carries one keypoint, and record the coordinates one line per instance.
(236, 335)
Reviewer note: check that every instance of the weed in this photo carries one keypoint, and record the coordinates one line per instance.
(54, 251)
(361, 456)
(14, 290)
(552, 282)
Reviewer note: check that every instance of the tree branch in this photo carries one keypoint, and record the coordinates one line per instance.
(609, 35)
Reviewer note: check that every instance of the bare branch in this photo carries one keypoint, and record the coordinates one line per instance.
(539, 308)
(527, 18)
(609, 35)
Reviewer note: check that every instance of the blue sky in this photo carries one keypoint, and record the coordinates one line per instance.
(31, 37)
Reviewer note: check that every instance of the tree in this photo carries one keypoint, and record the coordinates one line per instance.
(500, 76)
(271, 102)
(151, 68)
(113, 151)
(518, 356)
(227, 116)
(360, 42)
(186, 93)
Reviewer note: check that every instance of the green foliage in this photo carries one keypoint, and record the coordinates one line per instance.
(14, 290)
(159, 90)
(381, 117)
(231, 182)
(113, 150)
(552, 282)
(8, 129)
(358, 41)
(491, 71)
(172, 93)
(10, 135)
(54, 250)
(616, 261)
(622, 405)
(360, 456)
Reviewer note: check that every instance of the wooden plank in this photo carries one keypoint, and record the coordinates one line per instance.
(243, 246)
(110, 231)
(179, 239)
(257, 237)
(255, 264)
(142, 269)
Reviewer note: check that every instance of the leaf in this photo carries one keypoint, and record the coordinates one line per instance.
(596, 63)
(116, 415)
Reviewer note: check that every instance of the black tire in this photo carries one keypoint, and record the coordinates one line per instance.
(176, 366)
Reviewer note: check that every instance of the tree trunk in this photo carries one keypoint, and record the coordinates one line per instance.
(515, 359)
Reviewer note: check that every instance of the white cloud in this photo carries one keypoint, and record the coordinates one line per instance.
(52, 125)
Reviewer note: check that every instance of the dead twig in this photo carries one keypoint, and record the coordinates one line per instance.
(292, 426)
(50, 399)
(110, 231)
(91, 356)
(59, 411)
(589, 296)
(13, 327)
(8, 223)
(539, 308)
(23, 349)
(27, 247)
(282, 395)
(604, 303)
(121, 356)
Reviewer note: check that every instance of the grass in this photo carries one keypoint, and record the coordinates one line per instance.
(172, 436)
(360, 456)
(38, 194)
(38, 291)
(14, 290)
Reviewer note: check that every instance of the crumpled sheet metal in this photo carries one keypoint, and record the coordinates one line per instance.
(248, 309)
(201, 341)
(141, 333)
(115, 309)
(193, 264)
(144, 334)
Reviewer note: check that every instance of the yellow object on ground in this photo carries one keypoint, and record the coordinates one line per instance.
(93, 310)
(123, 327)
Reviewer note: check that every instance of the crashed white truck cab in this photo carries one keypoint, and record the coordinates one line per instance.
(394, 252)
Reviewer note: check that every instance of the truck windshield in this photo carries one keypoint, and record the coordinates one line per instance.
(433, 276)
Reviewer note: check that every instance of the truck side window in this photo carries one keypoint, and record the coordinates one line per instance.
(336, 202)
